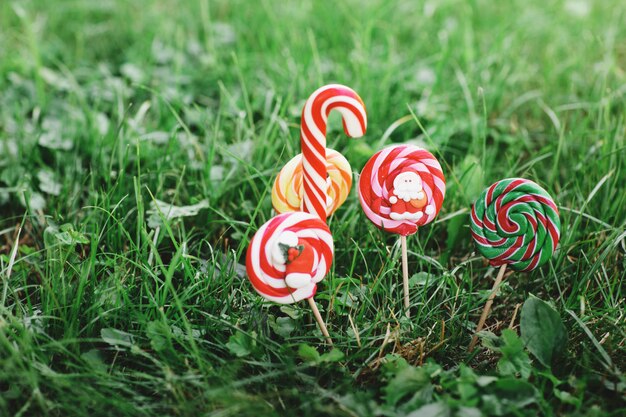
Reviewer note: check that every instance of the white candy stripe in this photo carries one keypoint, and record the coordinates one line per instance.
(309, 144)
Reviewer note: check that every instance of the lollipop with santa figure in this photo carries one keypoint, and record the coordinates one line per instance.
(401, 188)
(408, 200)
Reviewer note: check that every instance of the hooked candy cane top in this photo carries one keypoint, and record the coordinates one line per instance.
(287, 190)
(267, 275)
(376, 188)
(515, 222)
(313, 138)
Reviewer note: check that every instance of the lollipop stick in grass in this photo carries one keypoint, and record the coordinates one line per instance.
(401, 188)
(514, 223)
(320, 321)
(487, 309)
(405, 274)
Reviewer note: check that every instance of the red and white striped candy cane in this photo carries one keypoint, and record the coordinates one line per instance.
(313, 138)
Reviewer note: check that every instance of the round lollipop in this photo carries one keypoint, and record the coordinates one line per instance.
(288, 256)
(288, 192)
(401, 188)
(514, 223)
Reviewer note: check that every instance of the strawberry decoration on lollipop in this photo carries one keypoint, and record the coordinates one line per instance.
(298, 257)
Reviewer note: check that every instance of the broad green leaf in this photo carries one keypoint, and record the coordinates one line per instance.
(292, 312)
(490, 340)
(335, 355)
(241, 344)
(542, 330)
(116, 337)
(408, 381)
(566, 397)
(464, 411)
(514, 393)
(64, 235)
(422, 279)
(159, 334)
(282, 326)
(393, 364)
(515, 360)
(308, 353)
(94, 359)
(160, 210)
(439, 409)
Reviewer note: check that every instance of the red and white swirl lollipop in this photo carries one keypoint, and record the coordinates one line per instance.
(288, 256)
(313, 139)
(401, 188)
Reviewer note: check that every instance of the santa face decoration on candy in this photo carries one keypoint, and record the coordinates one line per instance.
(408, 200)
(402, 187)
(297, 257)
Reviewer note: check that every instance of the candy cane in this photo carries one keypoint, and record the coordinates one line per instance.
(313, 139)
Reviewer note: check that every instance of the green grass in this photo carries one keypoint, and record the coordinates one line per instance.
(106, 308)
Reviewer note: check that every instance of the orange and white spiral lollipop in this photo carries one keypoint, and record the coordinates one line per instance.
(288, 256)
(287, 192)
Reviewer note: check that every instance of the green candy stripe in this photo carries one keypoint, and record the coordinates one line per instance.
(515, 222)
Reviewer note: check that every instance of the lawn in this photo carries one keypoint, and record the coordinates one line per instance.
(112, 110)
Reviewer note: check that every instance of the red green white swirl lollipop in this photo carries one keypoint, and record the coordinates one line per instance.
(514, 223)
